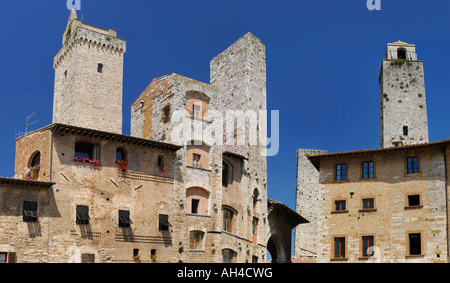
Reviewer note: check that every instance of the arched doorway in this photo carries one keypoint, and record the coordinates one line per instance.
(276, 249)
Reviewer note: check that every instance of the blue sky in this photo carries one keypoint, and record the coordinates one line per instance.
(323, 60)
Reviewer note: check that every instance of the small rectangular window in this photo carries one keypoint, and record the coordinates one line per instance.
(368, 170)
(413, 165)
(405, 130)
(414, 200)
(124, 219)
(100, 68)
(3, 257)
(415, 244)
(30, 211)
(340, 205)
(368, 203)
(82, 215)
(341, 172)
(339, 247)
(164, 222)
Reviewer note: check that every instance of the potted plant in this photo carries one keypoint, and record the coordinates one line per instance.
(123, 165)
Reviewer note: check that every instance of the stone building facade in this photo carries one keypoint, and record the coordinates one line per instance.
(381, 205)
(84, 192)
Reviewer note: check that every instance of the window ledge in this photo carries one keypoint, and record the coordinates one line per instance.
(412, 256)
(413, 207)
(340, 181)
(198, 215)
(340, 211)
(368, 210)
(412, 175)
(368, 179)
(198, 168)
(339, 259)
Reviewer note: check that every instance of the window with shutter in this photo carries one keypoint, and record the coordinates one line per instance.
(12, 257)
(83, 215)
(30, 209)
(164, 222)
(87, 258)
(124, 219)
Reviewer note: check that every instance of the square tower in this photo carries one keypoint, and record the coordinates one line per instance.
(402, 99)
(89, 77)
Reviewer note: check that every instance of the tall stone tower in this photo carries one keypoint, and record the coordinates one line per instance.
(403, 102)
(89, 77)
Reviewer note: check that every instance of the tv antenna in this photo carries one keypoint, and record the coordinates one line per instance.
(27, 125)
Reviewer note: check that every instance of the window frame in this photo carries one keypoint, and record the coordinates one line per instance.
(415, 170)
(30, 211)
(409, 248)
(124, 218)
(195, 160)
(82, 215)
(342, 252)
(369, 175)
(229, 217)
(337, 206)
(364, 247)
(408, 201)
(163, 223)
(343, 173)
(196, 240)
(95, 150)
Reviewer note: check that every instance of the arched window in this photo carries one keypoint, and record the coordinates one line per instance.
(36, 160)
(121, 154)
(229, 219)
(196, 240)
(255, 198)
(401, 54)
(197, 201)
(229, 256)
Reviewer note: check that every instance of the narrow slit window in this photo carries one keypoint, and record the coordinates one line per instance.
(100, 68)
(405, 130)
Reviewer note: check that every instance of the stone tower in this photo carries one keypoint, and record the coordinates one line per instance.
(403, 101)
(89, 77)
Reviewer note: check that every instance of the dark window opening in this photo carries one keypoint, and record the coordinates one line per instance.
(124, 219)
(30, 211)
(36, 161)
(164, 222)
(368, 203)
(255, 198)
(414, 200)
(166, 114)
(413, 165)
(339, 247)
(340, 205)
(367, 242)
(225, 174)
(368, 170)
(401, 54)
(341, 172)
(84, 150)
(100, 68)
(83, 215)
(194, 206)
(120, 154)
(405, 130)
(415, 244)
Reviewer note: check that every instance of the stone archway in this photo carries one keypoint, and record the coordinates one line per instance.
(276, 249)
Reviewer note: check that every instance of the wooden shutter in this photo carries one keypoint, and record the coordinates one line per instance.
(12, 258)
